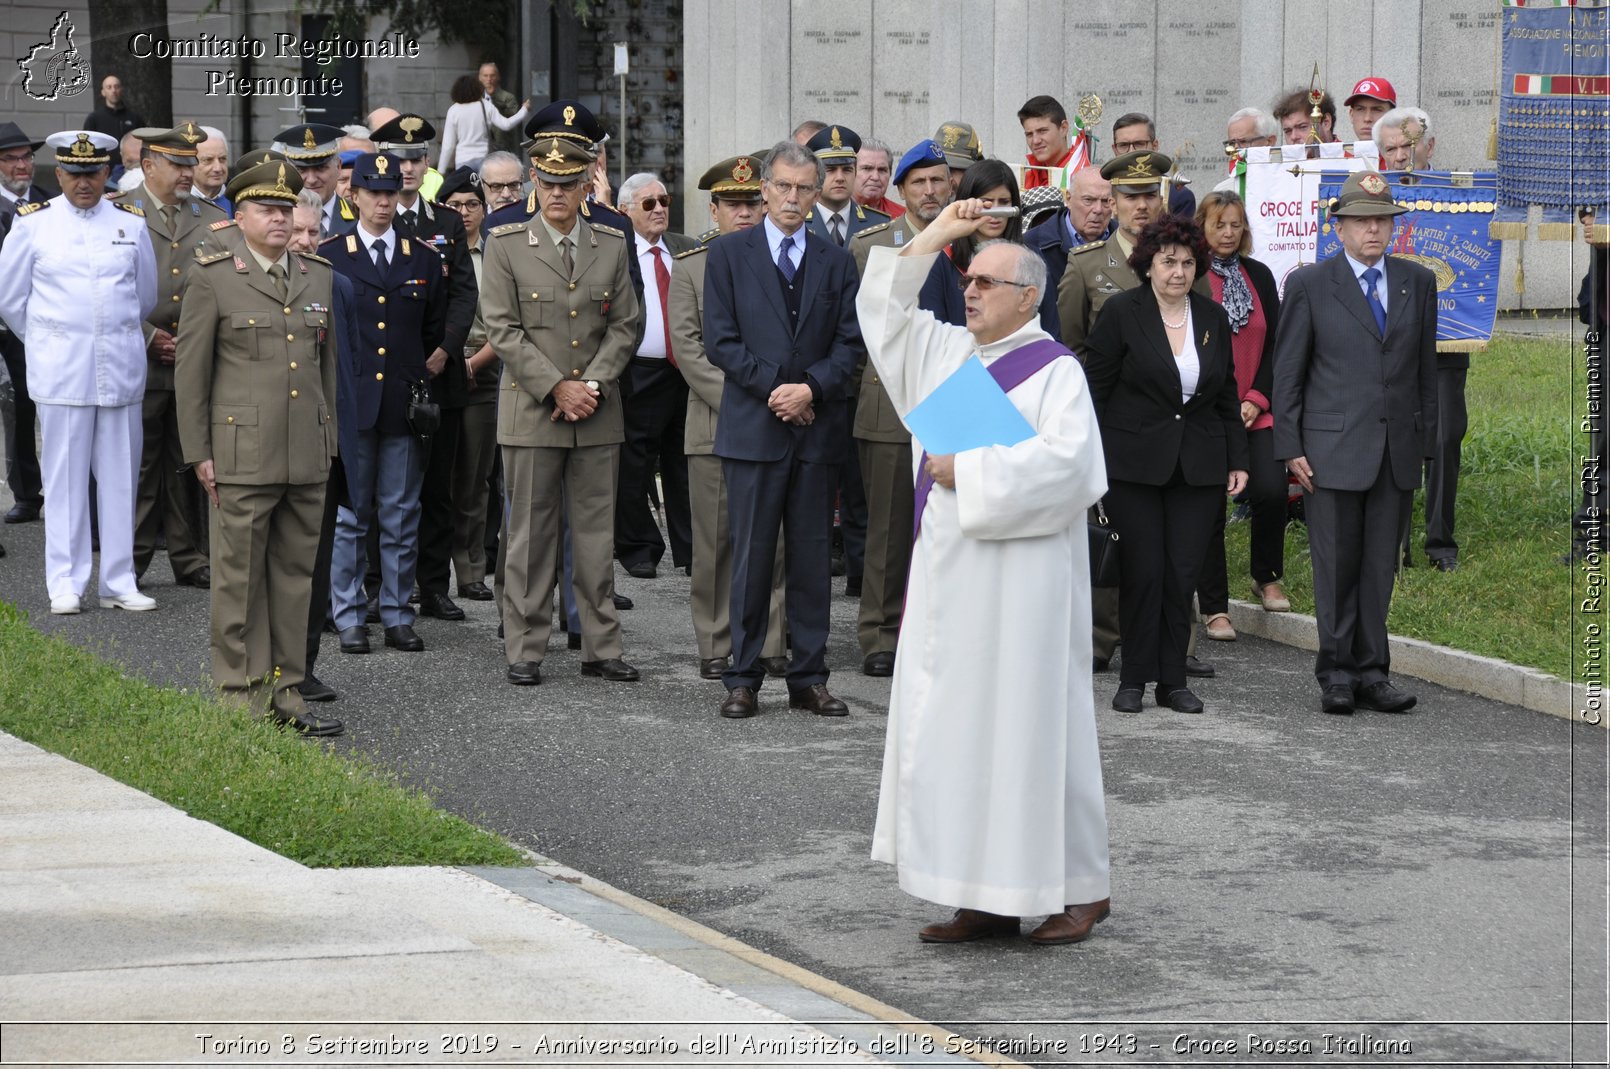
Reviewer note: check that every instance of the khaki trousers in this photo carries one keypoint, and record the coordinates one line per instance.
(890, 501)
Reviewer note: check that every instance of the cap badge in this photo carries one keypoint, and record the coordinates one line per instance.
(834, 139)
(411, 126)
(191, 135)
(1373, 184)
(279, 181)
(570, 115)
(742, 172)
(308, 141)
(554, 155)
(952, 135)
(82, 146)
(1141, 168)
(381, 163)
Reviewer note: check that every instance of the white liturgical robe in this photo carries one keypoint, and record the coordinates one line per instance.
(991, 796)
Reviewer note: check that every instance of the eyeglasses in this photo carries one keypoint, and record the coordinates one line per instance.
(17, 157)
(501, 187)
(463, 205)
(1235, 144)
(788, 189)
(985, 283)
(648, 204)
(1121, 147)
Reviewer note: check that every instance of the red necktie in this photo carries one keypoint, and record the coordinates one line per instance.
(662, 279)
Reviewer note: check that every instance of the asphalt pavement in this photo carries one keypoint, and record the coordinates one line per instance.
(1402, 889)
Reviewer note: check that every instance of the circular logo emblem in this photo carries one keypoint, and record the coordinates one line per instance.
(1373, 184)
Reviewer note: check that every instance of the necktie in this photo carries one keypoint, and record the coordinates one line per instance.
(406, 222)
(1371, 275)
(382, 262)
(785, 262)
(662, 279)
(564, 254)
(277, 273)
(169, 214)
(835, 226)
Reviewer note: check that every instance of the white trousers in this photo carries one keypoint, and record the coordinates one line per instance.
(78, 441)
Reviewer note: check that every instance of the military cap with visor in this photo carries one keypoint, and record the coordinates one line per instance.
(82, 151)
(377, 171)
(559, 161)
(178, 144)
(309, 144)
(407, 137)
(835, 146)
(268, 182)
(568, 119)
(734, 179)
(1137, 172)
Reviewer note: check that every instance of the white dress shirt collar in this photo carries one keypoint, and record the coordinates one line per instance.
(1358, 273)
(774, 241)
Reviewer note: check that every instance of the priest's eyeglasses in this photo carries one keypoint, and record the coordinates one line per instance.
(985, 283)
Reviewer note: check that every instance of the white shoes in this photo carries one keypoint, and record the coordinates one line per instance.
(135, 602)
(66, 605)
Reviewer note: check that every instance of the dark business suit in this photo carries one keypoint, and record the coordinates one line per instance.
(1362, 409)
(1167, 463)
(27, 484)
(763, 333)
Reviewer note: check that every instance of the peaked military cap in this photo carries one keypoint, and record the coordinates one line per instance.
(1137, 172)
(569, 119)
(310, 144)
(835, 145)
(407, 137)
(82, 151)
(377, 171)
(255, 158)
(271, 181)
(559, 161)
(734, 179)
(178, 144)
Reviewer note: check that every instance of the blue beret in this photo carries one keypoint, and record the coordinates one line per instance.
(922, 154)
(350, 156)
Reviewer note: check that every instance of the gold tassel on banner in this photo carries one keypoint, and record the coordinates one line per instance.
(1520, 279)
(1557, 231)
(1514, 230)
(1471, 346)
(1492, 140)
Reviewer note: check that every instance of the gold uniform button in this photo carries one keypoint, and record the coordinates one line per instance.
(175, 245)
(290, 337)
(533, 296)
(293, 365)
(176, 270)
(382, 300)
(287, 311)
(572, 285)
(575, 371)
(251, 322)
(382, 352)
(380, 326)
(175, 297)
(229, 419)
(379, 375)
(574, 344)
(573, 313)
(606, 293)
(294, 394)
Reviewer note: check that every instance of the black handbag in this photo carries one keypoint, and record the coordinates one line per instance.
(424, 415)
(1103, 549)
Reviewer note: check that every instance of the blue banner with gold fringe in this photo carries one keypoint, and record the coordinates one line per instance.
(1553, 114)
(1445, 230)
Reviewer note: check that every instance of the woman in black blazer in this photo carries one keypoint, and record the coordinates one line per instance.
(1162, 377)
(1246, 289)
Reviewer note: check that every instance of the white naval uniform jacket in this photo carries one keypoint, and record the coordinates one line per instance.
(75, 285)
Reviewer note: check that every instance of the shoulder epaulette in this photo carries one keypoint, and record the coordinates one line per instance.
(696, 249)
(33, 206)
(603, 229)
(222, 224)
(316, 258)
(506, 228)
(1087, 247)
(859, 234)
(875, 211)
(131, 209)
(213, 257)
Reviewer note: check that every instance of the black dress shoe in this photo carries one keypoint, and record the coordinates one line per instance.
(307, 724)
(315, 689)
(525, 673)
(402, 637)
(1179, 699)
(355, 640)
(1127, 700)
(878, 664)
(615, 670)
(818, 700)
(740, 703)
(1337, 699)
(712, 667)
(1445, 564)
(1197, 670)
(640, 570)
(622, 602)
(440, 606)
(201, 578)
(371, 615)
(776, 667)
(476, 591)
(21, 513)
(1383, 697)
(572, 640)
(852, 587)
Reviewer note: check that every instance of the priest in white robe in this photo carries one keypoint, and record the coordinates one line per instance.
(991, 799)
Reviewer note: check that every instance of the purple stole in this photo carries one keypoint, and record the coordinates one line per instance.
(1009, 372)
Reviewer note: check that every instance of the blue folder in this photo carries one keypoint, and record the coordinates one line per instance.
(969, 410)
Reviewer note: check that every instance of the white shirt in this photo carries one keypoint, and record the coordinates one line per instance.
(1358, 273)
(76, 285)
(368, 239)
(1189, 361)
(842, 215)
(11, 197)
(774, 241)
(653, 346)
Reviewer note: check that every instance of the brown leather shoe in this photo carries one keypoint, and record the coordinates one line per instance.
(1072, 925)
(740, 703)
(967, 925)
(817, 699)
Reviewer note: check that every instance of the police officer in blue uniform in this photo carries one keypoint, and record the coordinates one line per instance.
(401, 298)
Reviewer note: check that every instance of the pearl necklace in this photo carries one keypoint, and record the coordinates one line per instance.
(1176, 326)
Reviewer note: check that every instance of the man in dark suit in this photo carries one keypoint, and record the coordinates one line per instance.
(16, 189)
(1355, 407)
(1085, 218)
(654, 396)
(400, 294)
(780, 321)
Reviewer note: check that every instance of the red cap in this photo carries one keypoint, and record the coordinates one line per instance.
(1376, 88)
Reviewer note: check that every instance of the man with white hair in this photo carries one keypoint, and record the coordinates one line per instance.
(991, 798)
(501, 180)
(1247, 128)
(1402, 135)
(212, 169)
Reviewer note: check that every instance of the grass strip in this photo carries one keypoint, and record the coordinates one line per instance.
(222, 765)
(1511, 597)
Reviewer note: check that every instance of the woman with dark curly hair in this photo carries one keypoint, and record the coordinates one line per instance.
(467, 128)
(992, 182)
(1162, 376)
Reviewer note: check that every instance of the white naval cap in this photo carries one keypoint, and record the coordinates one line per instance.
(82, 151)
